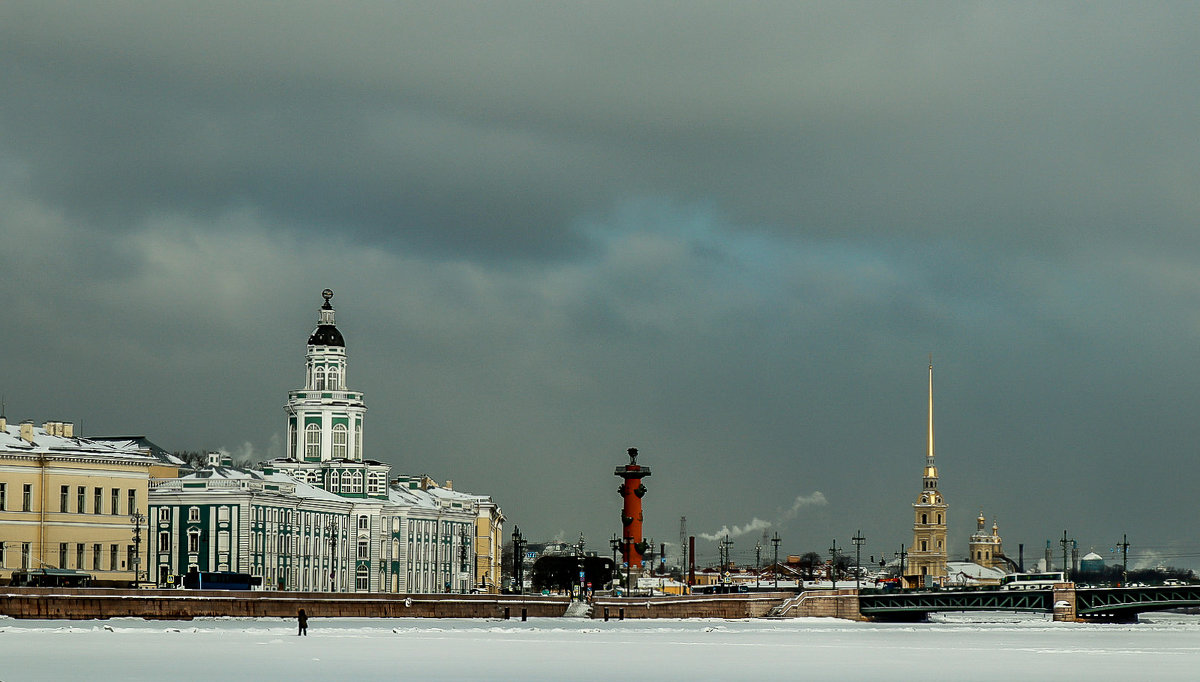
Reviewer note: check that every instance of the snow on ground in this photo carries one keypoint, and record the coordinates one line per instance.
(955, 646)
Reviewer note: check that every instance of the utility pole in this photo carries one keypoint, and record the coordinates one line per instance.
(901, 554)
(683, 548)
(1124, 545)
(833, 552)
(858, 543)
(1066, 562)
(775, 570)
(757, 563)
(725, 545)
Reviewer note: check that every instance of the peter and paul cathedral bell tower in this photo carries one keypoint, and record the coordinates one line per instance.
(927, 555)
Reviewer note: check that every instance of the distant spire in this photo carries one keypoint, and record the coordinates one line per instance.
(930, 455)
(931, 475)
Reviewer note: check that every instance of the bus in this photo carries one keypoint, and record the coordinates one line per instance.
(1032, 581)
(50, 577)
(220, 580)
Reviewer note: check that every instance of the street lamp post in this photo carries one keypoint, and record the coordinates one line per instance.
(628, 563)
(615, 543)
(136, 518)
(775, 541)
(833, 552)
(462, 553)
(332, 527)
(518, 559)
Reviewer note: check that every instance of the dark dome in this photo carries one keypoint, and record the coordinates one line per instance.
(326, 335)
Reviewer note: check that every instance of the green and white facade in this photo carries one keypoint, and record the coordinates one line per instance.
(323, 518)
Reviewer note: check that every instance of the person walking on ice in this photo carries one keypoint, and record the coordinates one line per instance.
(302, 621)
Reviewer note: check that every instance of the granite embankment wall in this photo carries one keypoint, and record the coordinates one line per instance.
(83, 604)
(752, 605)
(186, 604)
(822, 604)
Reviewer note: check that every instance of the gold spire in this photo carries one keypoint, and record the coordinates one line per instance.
(931, 474)
(930, 455)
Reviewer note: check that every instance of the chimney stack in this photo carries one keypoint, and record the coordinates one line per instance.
(68, 429)
(27, 431)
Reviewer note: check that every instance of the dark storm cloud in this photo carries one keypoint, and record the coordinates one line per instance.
(447, 126)
(726, 235)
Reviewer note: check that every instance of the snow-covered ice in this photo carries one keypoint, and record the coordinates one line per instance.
(955, 646)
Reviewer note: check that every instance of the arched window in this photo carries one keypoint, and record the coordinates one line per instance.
(319, 379)
(923, 520)
(358, 440)
(339, 441)
(312, 441)
(346, 481)
(939, 518)
(333, 482)
(374, 483)
(924, 546)
(362, 579)
(358, 482)
(333, 383)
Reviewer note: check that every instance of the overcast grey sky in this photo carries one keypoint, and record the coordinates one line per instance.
(727, 234)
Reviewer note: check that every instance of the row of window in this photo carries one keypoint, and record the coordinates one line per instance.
(81, 499)
(193, 516)
(340, 438)
(325, 379)
(310, 579)
(81, 556)
(114, 507)
(193, 540)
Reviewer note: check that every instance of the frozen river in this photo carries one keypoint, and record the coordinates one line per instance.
(979, 647)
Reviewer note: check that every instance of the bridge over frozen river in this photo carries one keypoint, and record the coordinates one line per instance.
(1065, 600)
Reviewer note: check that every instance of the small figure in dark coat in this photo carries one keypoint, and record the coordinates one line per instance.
(302, 620)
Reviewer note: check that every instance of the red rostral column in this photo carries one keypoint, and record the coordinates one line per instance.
(631, 491)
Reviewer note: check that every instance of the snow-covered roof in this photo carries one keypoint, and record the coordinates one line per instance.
(1092, 556)
(218, 478)
(49, 442)
(967, 570)
(142, 443)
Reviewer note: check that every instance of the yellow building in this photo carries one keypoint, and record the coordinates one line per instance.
(489, 541)
(66, 502)
(927, 555)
